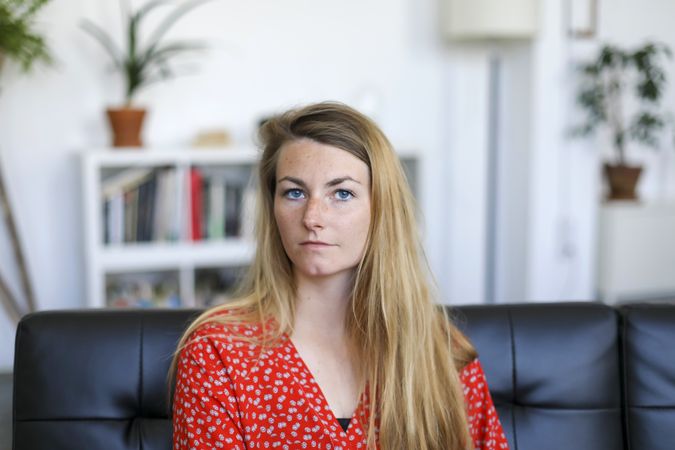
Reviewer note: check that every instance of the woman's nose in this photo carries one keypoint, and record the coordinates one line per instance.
(313, 217)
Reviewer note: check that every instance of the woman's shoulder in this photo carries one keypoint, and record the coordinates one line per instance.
(228, 326)
(229, 334)
(471, 370)
(473, 378)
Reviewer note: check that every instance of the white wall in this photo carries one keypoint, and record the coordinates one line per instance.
(466, 166)
(556, 217)
(515, 110)
(387, 57)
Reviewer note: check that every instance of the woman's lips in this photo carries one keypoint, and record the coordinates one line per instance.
(315, 244)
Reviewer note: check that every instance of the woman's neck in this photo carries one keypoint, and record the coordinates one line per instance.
(321, 307)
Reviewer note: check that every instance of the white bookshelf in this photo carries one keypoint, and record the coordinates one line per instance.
(177, 260)
(181, 260)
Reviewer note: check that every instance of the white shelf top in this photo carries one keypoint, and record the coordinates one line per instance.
(128, 156)
(123, 157)
(156, 256)
(633, 205)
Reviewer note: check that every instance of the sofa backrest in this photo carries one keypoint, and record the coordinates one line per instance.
(95, 379)
(553, 371)
(649, 373)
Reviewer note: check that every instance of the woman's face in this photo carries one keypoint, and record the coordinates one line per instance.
(322, 207)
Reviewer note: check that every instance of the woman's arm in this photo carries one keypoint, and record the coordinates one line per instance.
(484, 426)
(205, 411)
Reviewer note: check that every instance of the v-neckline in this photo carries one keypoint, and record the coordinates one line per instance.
(324, 405)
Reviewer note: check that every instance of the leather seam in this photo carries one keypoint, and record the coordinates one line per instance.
(92, 419)
(140, 383)
(623, 342)
(628, 408)
(563, 408)
(19, 332)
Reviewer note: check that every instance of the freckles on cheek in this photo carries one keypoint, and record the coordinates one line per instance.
(278, 215)
(278, 222)
(283, 225)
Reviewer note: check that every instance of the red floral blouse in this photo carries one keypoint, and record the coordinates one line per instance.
(230, 396)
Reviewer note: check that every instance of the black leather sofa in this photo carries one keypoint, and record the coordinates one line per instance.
(580, 376)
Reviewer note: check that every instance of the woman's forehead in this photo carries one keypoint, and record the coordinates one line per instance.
(304, 158)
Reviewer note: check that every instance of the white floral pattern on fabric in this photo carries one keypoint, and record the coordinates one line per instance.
(230, 395)
(484, 426)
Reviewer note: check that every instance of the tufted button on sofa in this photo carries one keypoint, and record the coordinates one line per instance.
(582, 376)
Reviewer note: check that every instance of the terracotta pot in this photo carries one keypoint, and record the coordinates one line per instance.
(126, 125)
(622, 181)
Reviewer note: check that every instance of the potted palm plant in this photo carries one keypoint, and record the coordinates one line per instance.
(141, 63)
(22, 44)
(621, 90)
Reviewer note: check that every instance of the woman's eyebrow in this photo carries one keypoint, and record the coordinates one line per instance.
(337, 181)
(333, 182)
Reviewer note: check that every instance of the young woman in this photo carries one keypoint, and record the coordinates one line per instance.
(335, 341)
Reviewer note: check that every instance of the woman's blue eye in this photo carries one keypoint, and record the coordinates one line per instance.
(343, 194)
(293, 194)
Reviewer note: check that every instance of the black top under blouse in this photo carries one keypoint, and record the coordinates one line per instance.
(344, 423)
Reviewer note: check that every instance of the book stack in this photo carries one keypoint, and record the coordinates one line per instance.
(143, 204)
(221, 203)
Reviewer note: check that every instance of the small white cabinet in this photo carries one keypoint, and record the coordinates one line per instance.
(636, 257)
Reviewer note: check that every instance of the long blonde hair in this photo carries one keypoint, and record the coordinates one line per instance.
(410, 353)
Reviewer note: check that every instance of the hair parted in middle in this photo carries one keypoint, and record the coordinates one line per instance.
(410, 353)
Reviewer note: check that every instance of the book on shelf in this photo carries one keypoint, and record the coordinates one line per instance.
(130, 215)
(215, 219)
(145, 210)
(204, 209)
(114, 219)
(125, 180)
(196, 205)
(161, 218)
(233, 207)
(248, 203)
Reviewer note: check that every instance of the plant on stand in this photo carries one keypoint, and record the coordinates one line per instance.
(19, 43)
(141, 64)
(604, 94)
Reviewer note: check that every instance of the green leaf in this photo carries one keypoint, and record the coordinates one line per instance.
(170, 50)
(645, 128)
(170, 20)
(18, 40)
(105, 40)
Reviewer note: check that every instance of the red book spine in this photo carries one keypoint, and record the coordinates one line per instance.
(196, 203)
